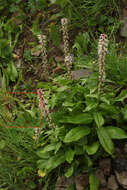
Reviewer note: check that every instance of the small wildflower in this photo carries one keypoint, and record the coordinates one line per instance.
(41, 173)
(34, 137)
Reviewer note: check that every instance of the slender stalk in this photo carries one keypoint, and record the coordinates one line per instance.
(67, 55)
(68, 60)
(44, 108)
(43, 42)
(102, 50)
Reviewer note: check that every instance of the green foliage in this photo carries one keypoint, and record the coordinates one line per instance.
(94, 183)
(85, 124)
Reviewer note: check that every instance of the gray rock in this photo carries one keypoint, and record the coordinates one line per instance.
(81, 181)
(63, 183)
(105, 166)
(123, 31)
(112, 183)
(122, 178)
(82, 73)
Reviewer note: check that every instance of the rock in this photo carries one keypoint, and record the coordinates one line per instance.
(122, 178)
(81, 181)
(82, 73)
(112, 183)
(63, 183)
(120, 164)
(100, 175)
(105, 166)
(123, 31)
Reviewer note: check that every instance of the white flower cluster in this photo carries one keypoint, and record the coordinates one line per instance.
(102, 50)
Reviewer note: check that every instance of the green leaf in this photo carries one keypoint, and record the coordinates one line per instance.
(31, 185)
(69, 155)
(116, 133)
(55, 161)
(122, 96)
(99, 120)
(91, 106)
(109, 108)
(94, 182)
(105, 140)
(124, 112)
(2, 144)
(63, 88)
(14, 72)
(3, 82)
(83, 118)
(47, 148)
(58, 145)
(69, 172)
(92, 149)
(76, 133)
(51, 162)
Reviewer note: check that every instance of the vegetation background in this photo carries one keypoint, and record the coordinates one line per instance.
(80, 125)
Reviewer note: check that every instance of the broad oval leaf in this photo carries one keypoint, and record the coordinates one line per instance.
(92, 149)
(55, 161)
(47, 148)
(69, 171)
(51, 162)
(116, 133)
(83, 118)
(69, 155)
(99, 120)
(105, 140)
(76, 133)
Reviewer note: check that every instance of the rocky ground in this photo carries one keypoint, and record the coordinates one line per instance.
(111, 172)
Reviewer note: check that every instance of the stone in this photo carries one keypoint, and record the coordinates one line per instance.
(81, 181)
(63, 183)
(123, 31)
(100, 175)
(105, 166)
(112, 183)
(82, 73)
(122, 178)
(120, 164)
